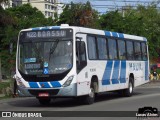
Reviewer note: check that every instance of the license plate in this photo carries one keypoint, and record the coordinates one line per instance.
(43, 94)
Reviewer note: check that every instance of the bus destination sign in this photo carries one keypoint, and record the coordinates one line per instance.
(46, 34)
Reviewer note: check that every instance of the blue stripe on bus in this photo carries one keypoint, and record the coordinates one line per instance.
(55, 84)
(47, 28)
(44, 85)
(107, 73)
(121, 35)
(107, 33)
(36, 28)
(55, 27)
(115, 73)
(114, 34)
(123, 72)
(33, 85)
(146, 71)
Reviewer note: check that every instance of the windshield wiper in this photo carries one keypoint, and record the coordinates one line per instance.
(36, 50)
(53, 48)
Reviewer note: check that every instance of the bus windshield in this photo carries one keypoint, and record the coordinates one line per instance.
(47, 56)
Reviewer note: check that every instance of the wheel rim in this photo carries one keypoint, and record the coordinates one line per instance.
(91, 93)
(130, 87)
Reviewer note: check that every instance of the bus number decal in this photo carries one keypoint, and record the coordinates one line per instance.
(31, 34)
(93, 70)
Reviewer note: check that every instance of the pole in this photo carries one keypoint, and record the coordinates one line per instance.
(0, 71)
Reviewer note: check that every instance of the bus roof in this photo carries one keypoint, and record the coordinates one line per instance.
(91, 31)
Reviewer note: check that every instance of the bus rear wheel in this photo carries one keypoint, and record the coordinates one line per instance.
(44, 101)
(129, 91)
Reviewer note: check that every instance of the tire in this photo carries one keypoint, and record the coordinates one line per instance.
(90, 98)
(120, 93)
(44, 101)
(129, 91)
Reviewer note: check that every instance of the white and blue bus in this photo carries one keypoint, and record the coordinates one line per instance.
(70, 61)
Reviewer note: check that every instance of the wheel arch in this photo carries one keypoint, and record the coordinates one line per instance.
(94, 79)
(132, 79)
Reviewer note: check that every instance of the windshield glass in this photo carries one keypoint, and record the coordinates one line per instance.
(52, 56)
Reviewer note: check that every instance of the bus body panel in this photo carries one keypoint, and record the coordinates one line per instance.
(112, 74)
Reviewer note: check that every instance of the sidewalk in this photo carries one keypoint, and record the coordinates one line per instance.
(152, 83)
(4, 84)
(2, 95)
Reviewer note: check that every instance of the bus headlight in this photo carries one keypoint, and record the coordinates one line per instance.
(68, 81)
(19, 82)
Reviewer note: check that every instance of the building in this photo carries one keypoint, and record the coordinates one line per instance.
(47, 7)
(11, 3)
(60, 9)
(6, 4)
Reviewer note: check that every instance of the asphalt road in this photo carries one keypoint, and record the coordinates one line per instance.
(147, 95)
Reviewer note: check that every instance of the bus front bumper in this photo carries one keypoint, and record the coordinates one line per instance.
(69, 91)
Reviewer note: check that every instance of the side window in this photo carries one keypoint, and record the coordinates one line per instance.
(122, 49)
(81, 60)
(144, 51)
(22, 57)
(130, 52)
(137, 52)
(92, 47)
(83, 52)
(112, 49)
(102, 48)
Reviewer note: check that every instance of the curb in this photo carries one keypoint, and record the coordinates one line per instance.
(147, 87)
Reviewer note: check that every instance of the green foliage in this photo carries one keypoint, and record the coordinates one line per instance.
(12, 21)
(79, 15)
(4, 85)
(27, 17)
(143, 21)
(158, 71)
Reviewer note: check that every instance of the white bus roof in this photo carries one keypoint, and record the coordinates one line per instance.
(91, 31)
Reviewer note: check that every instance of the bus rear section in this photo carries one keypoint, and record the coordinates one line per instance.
(115, 62)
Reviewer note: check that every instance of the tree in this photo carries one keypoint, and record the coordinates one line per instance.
(151, 28)
(5, 19)
(27, 16)
(23, 17)
(143, 21)
(79, 15)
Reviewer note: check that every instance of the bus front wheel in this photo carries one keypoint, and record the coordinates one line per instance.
(89, 99)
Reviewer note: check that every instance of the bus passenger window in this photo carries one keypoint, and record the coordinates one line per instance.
(102, 48)
(112, 49)
(144, 51)
(92, 47)
(130, 52)
(122, 49)
(137, 51)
